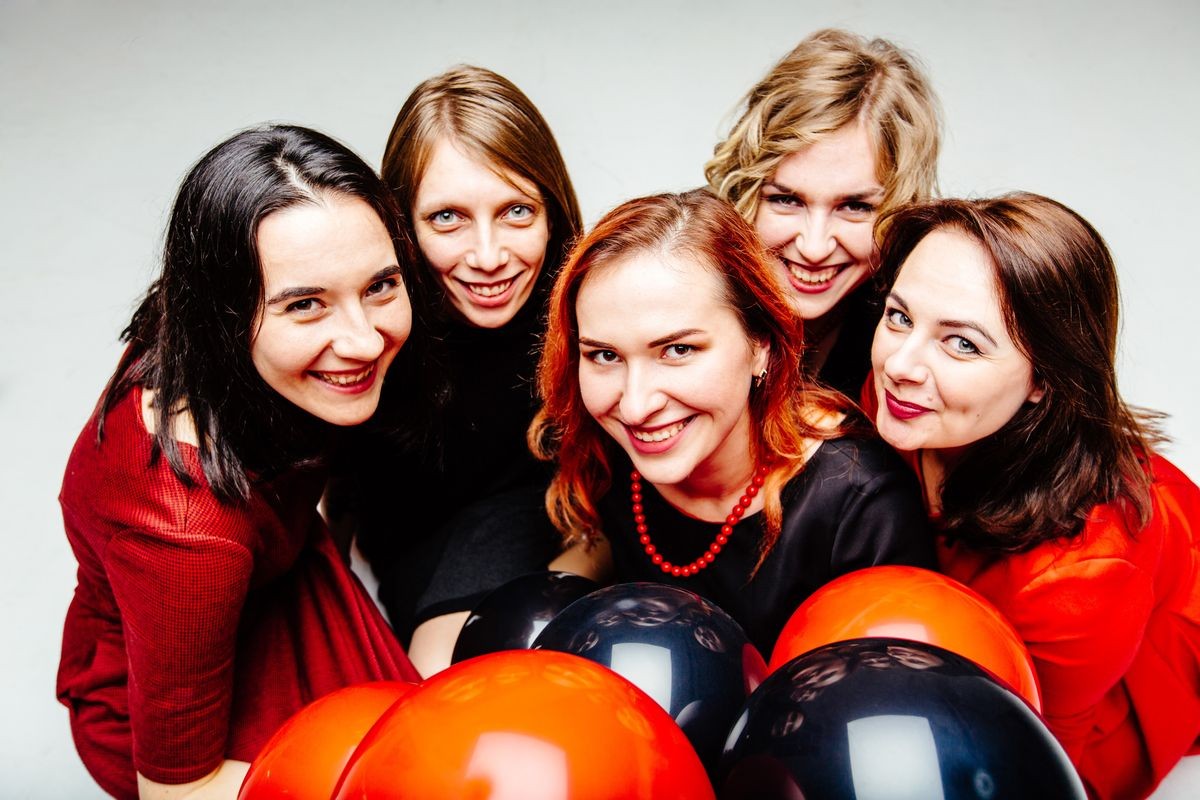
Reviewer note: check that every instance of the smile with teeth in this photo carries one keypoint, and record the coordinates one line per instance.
(345, 378)
(660, 435)
(489, 289)
(808, 276)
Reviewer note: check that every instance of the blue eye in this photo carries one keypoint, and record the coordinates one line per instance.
(520, 212)
(444, 218)
(962, 346)
(896, 317)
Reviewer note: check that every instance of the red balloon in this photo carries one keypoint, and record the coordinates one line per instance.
(305, 757)
(526, 725)
(916, 604)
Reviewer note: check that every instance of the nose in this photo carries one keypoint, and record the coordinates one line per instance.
(488, 253)
(815, 240)
(356, 337)
(641, 396)
(906, 363)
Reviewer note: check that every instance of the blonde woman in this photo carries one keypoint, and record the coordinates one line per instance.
(841, 130)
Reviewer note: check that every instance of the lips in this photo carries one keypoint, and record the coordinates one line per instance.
(902, 410)
(351, 382)
(810, 281)
(658, 439)
(489, 295)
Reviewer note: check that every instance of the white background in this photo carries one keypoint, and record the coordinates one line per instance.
(105, 105)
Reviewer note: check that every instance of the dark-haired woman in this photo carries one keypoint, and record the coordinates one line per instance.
(212, 603)
(994, 374)
(455, 508)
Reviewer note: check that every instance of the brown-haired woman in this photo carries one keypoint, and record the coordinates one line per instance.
(994, 373)
(841, 130)
(477, 170)
(691, 450)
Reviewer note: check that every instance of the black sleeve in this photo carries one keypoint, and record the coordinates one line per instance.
(883, 522)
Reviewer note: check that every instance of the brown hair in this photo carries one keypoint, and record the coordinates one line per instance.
(708, 229)
(830, 80)
(492, 120)
(1038, 477)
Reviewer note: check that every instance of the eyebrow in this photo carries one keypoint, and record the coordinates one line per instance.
(307, 291)
(865, 194)
(659, 342)
(947, 323)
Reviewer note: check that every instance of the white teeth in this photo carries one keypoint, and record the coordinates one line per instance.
(806, 276)
(490, 289)
(660, 435)
(344, 379)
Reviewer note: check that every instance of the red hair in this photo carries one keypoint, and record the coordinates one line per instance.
(785, 410)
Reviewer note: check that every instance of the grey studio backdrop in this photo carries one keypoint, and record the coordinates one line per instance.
(105, 105)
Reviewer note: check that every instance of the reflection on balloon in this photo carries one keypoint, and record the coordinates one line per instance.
(910, 603)
(305, 757)
(883, 719)
(680, 649)
(511, 616)
(525, 725)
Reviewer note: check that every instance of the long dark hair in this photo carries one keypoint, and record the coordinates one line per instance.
(1038, 477)
(189, 340)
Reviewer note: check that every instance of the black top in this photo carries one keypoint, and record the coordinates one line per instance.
(854, 505)
(410, 503)
(849, 361)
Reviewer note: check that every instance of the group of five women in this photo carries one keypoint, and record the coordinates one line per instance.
(481, 390)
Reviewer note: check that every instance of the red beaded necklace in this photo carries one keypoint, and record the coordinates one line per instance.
(639, 518)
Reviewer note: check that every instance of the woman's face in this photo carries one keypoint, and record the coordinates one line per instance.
(815, 214)
(484, 230)
(665, 368)
(335, 311)
(947, 373)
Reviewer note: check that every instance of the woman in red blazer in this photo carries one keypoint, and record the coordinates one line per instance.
(993, 372)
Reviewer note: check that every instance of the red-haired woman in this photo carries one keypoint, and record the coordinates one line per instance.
(691, 450)
(993, 374)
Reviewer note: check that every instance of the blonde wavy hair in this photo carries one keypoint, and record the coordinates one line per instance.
(830, 80)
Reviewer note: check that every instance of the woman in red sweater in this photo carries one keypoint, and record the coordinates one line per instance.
(994, 373)
(211, 602)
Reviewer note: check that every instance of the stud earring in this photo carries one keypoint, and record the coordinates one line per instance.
(759, 379)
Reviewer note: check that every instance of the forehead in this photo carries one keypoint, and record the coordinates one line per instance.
(452, 169)
(653, 286)
(842, 161)
(321, 242)
(950, 273)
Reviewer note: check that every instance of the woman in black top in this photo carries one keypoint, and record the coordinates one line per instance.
(691, 448)
(477, 170)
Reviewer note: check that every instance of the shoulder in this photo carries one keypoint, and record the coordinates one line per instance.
(858, 461)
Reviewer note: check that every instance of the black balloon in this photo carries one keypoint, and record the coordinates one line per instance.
(511, 616)
(680, 649)
(885, 719)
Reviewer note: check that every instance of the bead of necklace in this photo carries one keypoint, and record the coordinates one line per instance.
(722, 537)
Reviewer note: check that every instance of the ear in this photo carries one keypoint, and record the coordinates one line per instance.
(1035, 394)
(760, 352)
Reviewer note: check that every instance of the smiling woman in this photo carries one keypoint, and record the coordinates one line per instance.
(208, 583)
(994, 374)
(841, 130)
(492, 211)
(691, 448)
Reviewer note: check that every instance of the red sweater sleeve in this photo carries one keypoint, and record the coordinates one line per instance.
(180, 597)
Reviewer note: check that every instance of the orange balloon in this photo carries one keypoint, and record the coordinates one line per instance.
(526, 725)
(916, 604)
(305, 757)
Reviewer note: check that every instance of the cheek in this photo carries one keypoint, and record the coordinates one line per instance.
(858, 242)
(773, 229)
(440, 251)
(529, 244)
(597, 391)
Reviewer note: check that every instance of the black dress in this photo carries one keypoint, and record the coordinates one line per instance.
(473, 480)
(849, 361)
(855, 505)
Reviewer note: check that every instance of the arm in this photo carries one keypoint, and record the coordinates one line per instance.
(180, 596)
(590, 560)
(222, 783)
(433, 641)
